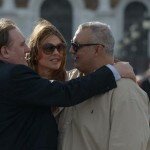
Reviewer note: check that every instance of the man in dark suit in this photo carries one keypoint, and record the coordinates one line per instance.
(145, 83)
(26, 122)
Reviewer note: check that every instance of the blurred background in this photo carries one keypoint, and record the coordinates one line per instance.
(129, 21)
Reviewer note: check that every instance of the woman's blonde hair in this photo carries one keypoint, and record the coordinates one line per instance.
(43, 30)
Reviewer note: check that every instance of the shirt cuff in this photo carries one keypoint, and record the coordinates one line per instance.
(114, 71)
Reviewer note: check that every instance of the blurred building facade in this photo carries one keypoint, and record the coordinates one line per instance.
(126, 18)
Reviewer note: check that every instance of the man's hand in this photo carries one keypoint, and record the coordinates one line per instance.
(125, 70)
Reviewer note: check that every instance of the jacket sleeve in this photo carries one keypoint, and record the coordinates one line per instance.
(29, 88)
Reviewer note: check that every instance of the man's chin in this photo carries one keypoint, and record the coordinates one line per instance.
(23, 63)
(18, 62)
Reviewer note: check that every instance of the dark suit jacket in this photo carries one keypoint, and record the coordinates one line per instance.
(26, 122)
(145, 85)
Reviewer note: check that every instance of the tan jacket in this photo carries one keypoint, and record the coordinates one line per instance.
(116, 120)
(148, 146)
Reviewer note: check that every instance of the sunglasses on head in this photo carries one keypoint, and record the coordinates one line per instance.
(49, 48)
(76, 46)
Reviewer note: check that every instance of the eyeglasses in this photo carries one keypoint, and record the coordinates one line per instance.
(49, 48)
(76, 46)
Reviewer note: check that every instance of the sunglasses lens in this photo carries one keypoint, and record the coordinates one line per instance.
(61, 47)
(49, 48)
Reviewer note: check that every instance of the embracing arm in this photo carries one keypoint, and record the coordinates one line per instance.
(32, 89)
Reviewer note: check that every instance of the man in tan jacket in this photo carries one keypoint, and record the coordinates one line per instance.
(116, 120)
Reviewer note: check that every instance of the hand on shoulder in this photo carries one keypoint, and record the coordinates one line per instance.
(125, 70)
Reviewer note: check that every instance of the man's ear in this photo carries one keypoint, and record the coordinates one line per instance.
(4, 52)
(98, 49)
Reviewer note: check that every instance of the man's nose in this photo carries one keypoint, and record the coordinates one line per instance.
(27, 49)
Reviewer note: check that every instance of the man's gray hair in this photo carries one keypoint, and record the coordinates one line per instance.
(101, 34)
